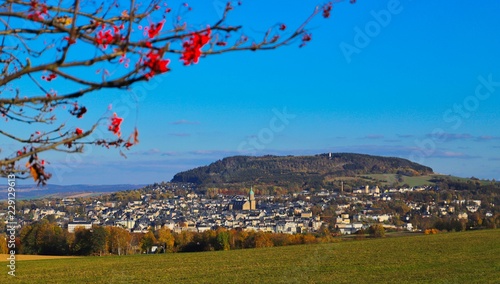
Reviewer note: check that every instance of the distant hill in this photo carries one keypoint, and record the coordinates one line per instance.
(298, 171)
(51, 190)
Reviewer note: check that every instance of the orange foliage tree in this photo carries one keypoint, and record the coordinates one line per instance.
(118, 240)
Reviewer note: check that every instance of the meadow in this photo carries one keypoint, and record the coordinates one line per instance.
(465, 257)
(390, 179)
(416, 181)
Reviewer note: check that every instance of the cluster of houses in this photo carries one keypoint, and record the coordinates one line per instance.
(197, 214)
(192, 211)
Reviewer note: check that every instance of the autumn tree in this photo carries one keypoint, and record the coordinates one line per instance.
(89, 241)
(3, 244)
(309, 239)
(325, 234)
(82, 243)
(99, 235)
(201, 241)
(377, 231)
(263, 240)
(118, 240)
(135, 243)
(280, 240)
(147, 242)
(165, 238)
(92, 46)
(44, 238)
(222, 237)
(183, 239)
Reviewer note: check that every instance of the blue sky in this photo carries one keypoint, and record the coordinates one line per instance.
(422, 83)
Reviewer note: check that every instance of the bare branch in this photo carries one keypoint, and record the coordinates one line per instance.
(42, 40)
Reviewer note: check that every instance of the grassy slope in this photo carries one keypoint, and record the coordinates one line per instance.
(416, 180)
(468, 257)
(411, 181)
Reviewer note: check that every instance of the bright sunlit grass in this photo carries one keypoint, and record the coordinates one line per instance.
(467, 257)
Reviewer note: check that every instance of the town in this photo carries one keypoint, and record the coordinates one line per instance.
(182, 207)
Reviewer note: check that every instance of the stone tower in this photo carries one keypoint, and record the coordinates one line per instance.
(252, 199)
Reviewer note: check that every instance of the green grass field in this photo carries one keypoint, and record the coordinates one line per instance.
(390, 179)
(411, 181)
(467, 257)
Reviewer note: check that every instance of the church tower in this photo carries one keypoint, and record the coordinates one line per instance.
(252, 199)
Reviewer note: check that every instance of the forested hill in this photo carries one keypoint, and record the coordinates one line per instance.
(300, 170)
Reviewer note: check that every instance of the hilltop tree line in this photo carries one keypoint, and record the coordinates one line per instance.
(47, 238)
(302, 171)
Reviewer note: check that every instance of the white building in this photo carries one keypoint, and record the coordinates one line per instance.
(74, 225)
